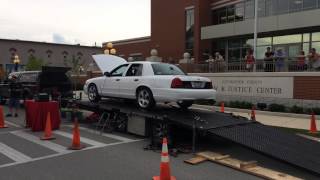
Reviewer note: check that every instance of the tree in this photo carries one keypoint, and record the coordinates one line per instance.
(34, 64)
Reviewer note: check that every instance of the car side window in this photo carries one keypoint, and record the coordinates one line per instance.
(28, 77)
(119, 70)
(135, 70)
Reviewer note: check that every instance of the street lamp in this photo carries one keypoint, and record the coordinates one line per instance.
(16, 62)
(109, 49)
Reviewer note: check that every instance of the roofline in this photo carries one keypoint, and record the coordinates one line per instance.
(130, 41)
(48, 43)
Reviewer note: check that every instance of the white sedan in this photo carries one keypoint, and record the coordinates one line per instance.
(147, 83)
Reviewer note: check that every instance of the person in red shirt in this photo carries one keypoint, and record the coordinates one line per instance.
(250, 60)
(301, 61)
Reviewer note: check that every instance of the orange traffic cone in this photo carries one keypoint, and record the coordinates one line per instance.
(2, 125)
(76, 145)
(164, 166)
(222, 107)
(253, 113)
(48, 130)
(313, 126)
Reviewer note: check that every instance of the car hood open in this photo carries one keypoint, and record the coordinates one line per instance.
(106, 63)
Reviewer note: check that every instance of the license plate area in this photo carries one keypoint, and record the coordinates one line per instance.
(198, 84)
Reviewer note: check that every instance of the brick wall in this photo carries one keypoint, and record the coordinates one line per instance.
(307, 87)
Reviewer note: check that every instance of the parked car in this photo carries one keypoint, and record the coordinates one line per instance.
(48, 80)
(147, 83)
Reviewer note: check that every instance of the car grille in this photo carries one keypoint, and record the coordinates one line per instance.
(188, 85)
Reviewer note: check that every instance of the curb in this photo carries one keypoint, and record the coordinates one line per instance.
(292, 115)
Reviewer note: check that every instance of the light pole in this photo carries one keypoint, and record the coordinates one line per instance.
(255, 33)
(109, 49)
(16, 62)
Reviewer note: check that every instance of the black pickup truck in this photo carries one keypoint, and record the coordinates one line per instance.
(47, 80)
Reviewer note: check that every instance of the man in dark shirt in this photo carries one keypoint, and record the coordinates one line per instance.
(268, 60)
(15, 94)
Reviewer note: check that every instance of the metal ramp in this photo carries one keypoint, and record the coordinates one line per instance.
(281, 145)
(284, 146)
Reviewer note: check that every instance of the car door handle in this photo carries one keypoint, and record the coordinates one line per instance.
(117, 79)
(136, 79)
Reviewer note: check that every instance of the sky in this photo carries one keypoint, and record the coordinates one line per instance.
(84, 22)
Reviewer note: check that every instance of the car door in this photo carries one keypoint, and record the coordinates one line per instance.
(110, 86)
(131, 81)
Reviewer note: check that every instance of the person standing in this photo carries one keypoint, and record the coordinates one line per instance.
(210, 62)
(219, 61)
(314, 59)
(301, 61)
(250, 60)
(279, 56)
(15, 94)
(268, 60)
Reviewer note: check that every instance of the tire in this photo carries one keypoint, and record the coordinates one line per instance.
(185, 104)
(93, 95)
(144, 98)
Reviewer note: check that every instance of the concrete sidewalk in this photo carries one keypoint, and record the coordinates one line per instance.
(289, 120)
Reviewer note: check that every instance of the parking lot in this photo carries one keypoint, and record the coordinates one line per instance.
(110, 156)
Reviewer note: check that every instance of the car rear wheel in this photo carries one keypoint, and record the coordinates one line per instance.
(185, 104)
(145, 98)
(93, 93)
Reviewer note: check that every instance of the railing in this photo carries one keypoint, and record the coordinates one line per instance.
(260, 66)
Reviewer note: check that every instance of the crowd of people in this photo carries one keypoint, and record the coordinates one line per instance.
(274, 61)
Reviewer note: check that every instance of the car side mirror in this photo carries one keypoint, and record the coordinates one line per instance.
(107, 74)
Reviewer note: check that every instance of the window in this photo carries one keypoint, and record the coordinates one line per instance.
(269, 8)
(119, 70)
(287, 39)
(135, 70)
(222, 13)
(28, 77)
(230, 14)
(261, 8)
(309, 4)
(295, 5)
(283, 6)
(261, 50)
(264, 41)
(316, 45)
(166, 69)
(249, 9)
(316, 36)
(239, 12)
(306, 48)
(306, 37)
(189, 29)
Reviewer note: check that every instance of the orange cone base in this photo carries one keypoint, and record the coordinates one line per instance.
(3, 126)
(77, 147)
(47, 138)
(158, 178)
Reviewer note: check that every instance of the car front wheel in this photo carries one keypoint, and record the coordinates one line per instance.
(185, 104)
(93, 93)
(145, 98)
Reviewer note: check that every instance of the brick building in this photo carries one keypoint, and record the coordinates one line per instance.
(52, 54)
(204, 27)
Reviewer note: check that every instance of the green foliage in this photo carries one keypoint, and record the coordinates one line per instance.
(277, 108)
(296, 109)
(315, 110)
(34, 64)
(241, 105)
(74, 64)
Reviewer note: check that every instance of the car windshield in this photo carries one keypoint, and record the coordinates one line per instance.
(166, 69)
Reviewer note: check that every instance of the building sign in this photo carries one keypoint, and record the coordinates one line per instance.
(275, 87)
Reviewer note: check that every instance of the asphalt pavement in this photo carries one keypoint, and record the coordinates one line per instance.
(111, 156)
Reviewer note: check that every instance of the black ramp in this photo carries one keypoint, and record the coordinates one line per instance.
(288, 147)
